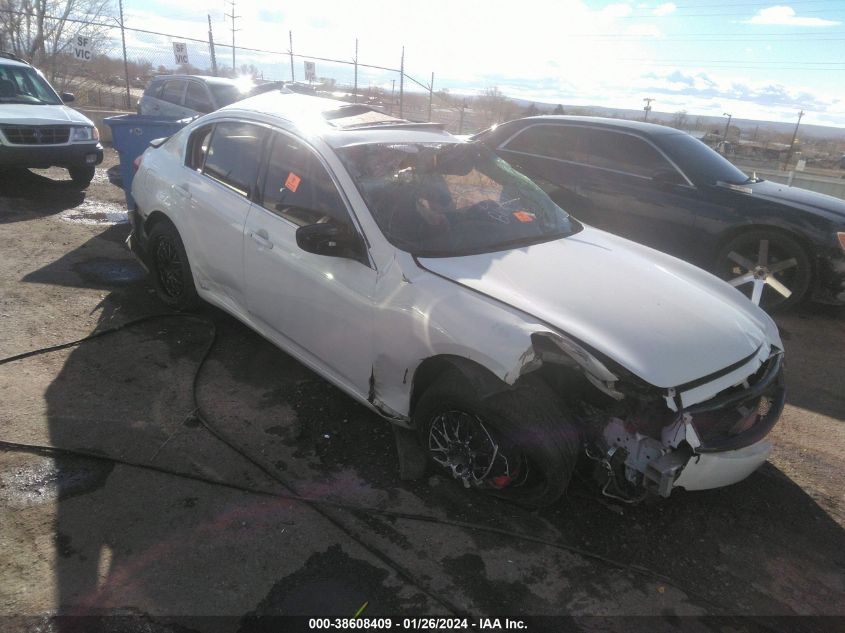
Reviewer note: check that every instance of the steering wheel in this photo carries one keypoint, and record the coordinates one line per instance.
(486, 211)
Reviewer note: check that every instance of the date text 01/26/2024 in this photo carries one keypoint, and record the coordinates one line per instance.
(410, 624)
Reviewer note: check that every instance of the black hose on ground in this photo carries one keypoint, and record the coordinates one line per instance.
(317, 504)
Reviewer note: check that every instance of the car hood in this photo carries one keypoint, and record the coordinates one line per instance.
(797, 197)
(660, 318)
(28, 114)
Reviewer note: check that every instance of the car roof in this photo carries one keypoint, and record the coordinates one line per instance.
(205, 78)
(339, 123)
(647, 129)
(5, 61)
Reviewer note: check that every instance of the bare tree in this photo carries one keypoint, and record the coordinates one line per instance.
(42, 31)
(679, 119)
(495, 107)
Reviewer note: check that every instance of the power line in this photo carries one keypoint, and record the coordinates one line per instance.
(721, 14)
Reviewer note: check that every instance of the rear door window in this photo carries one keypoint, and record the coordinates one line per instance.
(298, 187)
(606, 149)
(154, 89)
(173, 91)
(233, 155)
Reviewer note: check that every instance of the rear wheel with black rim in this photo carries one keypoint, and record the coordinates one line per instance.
(518, 444)
(769, 267)
(171, 272)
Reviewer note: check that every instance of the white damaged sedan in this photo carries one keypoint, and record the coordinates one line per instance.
(444, 290)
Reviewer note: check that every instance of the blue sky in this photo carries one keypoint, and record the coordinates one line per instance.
(754, 59)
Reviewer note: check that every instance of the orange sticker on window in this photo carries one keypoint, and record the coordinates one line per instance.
(524, 216)
(292, 183)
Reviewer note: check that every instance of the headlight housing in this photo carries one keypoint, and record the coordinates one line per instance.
(85, 133)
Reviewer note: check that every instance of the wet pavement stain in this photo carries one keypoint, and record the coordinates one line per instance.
(331, 583)
(470, 571)
(45, 480)
(109, 271)
(94, 212)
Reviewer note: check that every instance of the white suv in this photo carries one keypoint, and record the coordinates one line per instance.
(446, 291)
(38, 130)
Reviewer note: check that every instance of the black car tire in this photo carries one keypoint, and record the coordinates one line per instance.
(171, 272)
(526, 420)
(767, 249)
(82, 176)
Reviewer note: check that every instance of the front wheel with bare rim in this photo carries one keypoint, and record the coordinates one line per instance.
(769, 267)
(170, 269)
(518, 444)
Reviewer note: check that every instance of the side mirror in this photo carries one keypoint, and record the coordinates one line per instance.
(667, 177)
(329, 239)
(67, 97)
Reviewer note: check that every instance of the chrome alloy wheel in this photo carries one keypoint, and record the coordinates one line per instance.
(463, 445)
(765, 272)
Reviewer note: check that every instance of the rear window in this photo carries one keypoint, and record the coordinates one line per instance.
(233, 155)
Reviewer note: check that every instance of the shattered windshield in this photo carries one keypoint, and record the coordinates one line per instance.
(19, 84)
(447, 199)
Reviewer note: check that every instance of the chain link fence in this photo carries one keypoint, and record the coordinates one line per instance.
(107, 67)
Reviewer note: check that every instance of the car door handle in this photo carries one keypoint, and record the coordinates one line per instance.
(262, 239)
(182, 191)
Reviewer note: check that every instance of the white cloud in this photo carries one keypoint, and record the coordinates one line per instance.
(618, 10)
(785, 16)
(665, 9)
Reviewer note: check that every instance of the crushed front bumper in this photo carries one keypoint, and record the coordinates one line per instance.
(704, 471)
(709, 445)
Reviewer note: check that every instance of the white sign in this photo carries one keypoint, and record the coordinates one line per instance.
(82, 48)
(310, 71)
(801, 165)
(180, 53)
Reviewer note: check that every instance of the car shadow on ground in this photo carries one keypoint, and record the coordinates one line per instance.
(761, 546)
(24, 194)
(813, 335)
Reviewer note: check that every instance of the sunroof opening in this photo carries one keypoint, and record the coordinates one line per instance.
(359, 115)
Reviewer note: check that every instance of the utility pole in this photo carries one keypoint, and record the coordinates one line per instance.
(647, 107)
(234, 30)
(725, 135)
(355, 90)
(211, 47)
(290, 50)
(402, 85)
(792, 142)
(125, 62)
(430, 96)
